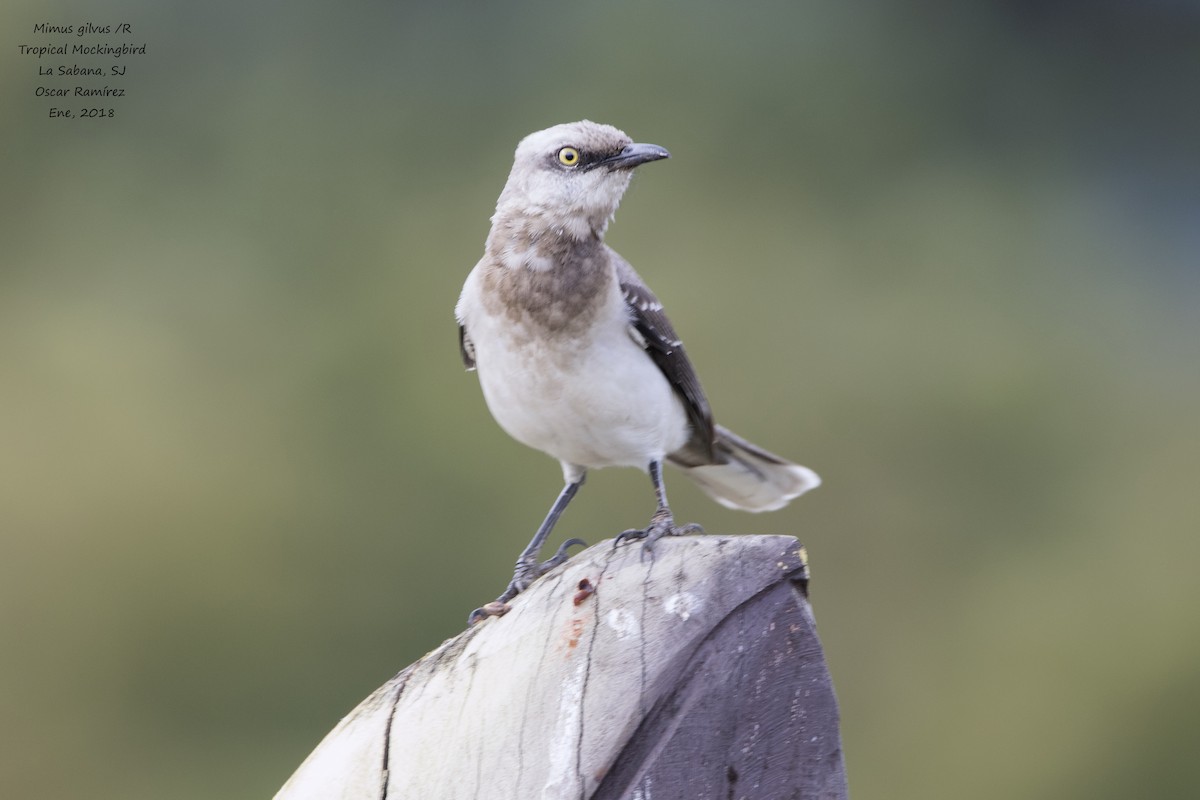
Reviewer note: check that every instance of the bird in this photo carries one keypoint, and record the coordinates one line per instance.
(576, 356)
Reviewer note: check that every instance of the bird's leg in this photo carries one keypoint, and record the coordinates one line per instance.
(528, 569)
(662, 523)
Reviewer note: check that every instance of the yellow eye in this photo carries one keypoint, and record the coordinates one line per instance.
(568, 156)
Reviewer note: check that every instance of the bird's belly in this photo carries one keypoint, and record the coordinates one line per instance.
(596, 404)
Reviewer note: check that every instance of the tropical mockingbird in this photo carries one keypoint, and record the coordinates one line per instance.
(575, 355)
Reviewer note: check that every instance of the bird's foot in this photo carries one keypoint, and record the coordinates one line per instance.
(661, 524)
(527, 572)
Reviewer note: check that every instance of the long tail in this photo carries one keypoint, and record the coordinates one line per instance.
(749, 478)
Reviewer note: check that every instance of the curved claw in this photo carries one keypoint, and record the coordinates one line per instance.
(656, 532)
(631, 535)
(659, 527)
(492, 609)
(561, 555)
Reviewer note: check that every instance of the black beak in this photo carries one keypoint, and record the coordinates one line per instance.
(634, 155)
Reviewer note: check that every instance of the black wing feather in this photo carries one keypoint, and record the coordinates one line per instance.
(664, 347)
(466, 348)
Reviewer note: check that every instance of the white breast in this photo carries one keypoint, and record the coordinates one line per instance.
(597, 400)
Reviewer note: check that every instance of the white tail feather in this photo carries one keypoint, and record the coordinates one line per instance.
(752, 479)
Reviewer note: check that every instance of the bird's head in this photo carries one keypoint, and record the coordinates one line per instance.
(569, 179)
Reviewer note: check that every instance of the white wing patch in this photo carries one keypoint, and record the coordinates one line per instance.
(641, 302)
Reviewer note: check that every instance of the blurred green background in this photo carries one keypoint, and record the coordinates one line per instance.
(945, 253)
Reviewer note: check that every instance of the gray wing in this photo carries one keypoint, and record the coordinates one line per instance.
(662, 344)
(466, 348)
